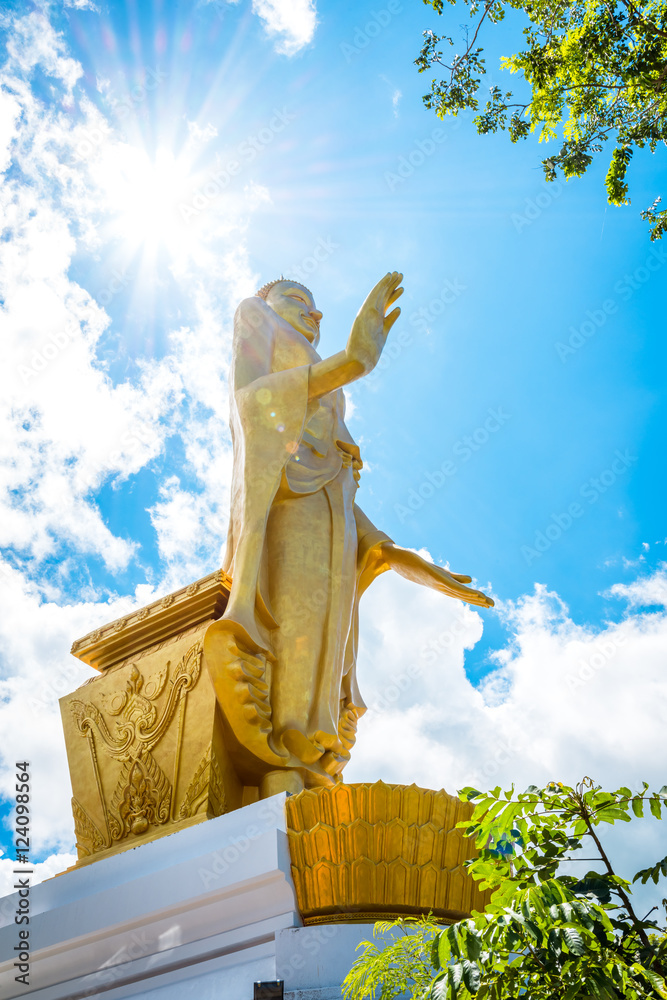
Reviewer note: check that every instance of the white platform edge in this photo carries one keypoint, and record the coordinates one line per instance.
(180, 906)
(201, 914)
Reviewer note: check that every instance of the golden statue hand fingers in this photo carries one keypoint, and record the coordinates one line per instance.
(391, 319)
(378, 290)
(383, 290)
(461, 577)
(463, 593)
(390, 291)
(477, 597)
(394, 295)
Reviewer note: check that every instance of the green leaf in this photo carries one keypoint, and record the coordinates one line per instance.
(468, 793)
(471, 976)
(594, 884)
(553, 941)
(574, 940)
(473, 943)
(610, 814)
(439, 954)
(656, 981)
(533, 930)
(658, 869)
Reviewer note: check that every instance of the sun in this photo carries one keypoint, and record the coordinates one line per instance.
(144, 195)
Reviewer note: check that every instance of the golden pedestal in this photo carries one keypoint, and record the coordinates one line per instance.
(146, 746)
(376, 852)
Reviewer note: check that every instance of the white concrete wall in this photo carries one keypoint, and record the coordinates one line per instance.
(182, 916)
(201, 914)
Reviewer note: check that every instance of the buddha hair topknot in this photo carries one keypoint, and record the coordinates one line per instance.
(265, 289)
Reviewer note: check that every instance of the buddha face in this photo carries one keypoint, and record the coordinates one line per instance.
(296, 306)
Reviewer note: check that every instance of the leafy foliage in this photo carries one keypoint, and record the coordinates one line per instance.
(404, 963)
(597, 71)
(547, 934)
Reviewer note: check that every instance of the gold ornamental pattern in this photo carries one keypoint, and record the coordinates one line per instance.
(141, 798)
(372, 851)
(206, 785)
(89, 840)
(140, 727)
(127, 727)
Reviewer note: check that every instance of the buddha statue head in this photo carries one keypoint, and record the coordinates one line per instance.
(295, 304)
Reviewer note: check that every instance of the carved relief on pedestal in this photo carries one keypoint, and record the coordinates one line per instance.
(126, 726)
(206, 787)
(142, 796)
(89, 840)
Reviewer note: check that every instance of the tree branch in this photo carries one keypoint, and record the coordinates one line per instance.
(586, 816)
(638, 15)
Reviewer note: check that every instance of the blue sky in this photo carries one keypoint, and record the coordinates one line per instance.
(163, 161)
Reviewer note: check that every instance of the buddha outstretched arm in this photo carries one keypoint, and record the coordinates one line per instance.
(379, 554)
(413, 567)
(365, 343)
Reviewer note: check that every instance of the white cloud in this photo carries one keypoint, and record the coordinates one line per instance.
(294, 22)
(190, 532)
(10, 109)
(202, 135)
(64, 426)
(564, 700)
(36, 43)
(644, 592)
(51, 866)
(82, 5)
(396, 94)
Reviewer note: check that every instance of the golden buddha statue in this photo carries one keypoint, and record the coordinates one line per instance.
(300, 551)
